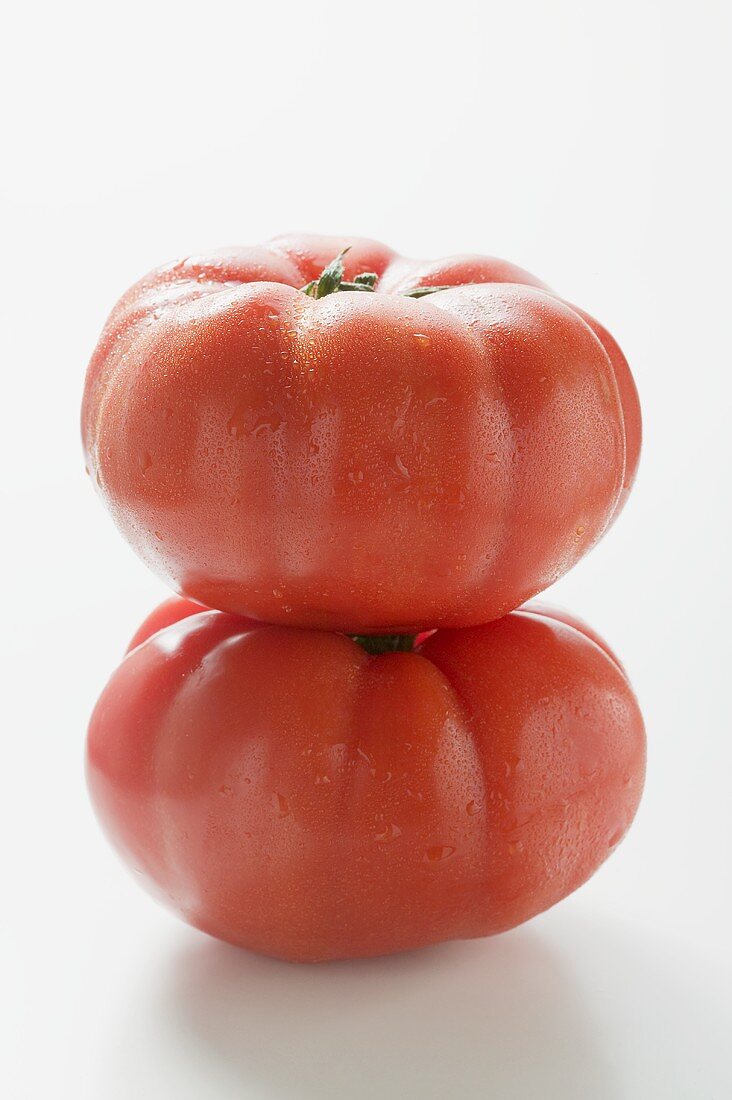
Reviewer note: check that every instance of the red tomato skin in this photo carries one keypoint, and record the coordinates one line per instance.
(569, 619)
(365, 462)
(285, 791)
(630, 401)
(167, 613)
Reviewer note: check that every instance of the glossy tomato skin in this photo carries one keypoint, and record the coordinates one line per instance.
(165, 614)
(364, 462)
(285, 791)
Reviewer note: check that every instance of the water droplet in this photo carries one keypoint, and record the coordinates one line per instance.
(277, 593)
(438, 852)
(581, 530)
(514, 764)
(389, 832)
(398, 462)
(514, 847)
(271, 423)
(241, 423)
(422, 338)
(281, 805)
(223, 789)
(145, 461)
(615, 837)
(473, 808)
(321, 779)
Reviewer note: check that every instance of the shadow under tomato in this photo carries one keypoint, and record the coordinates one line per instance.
(493, 1018)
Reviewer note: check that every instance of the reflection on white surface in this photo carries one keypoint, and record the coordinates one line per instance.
(605, 1016)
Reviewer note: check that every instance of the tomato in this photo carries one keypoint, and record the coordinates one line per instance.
(364, 460)
(287, 791)
(165, 614)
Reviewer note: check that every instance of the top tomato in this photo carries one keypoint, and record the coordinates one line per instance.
(352, 457)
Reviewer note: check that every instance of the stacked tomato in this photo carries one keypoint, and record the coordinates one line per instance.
(365, 464)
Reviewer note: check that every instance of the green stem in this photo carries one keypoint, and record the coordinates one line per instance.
(385, 643)
(331, 280)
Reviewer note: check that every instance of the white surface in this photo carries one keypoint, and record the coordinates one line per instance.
(583, 141)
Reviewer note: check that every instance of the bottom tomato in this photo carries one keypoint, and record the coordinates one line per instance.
(289, 792)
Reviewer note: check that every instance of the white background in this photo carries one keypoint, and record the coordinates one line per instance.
(585, 141)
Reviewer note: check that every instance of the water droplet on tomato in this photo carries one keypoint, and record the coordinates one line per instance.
(236, 425)
(281, 804)
(473, 807)
(438, 852)
(271, 423)
(401, 468)
(389, 832)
